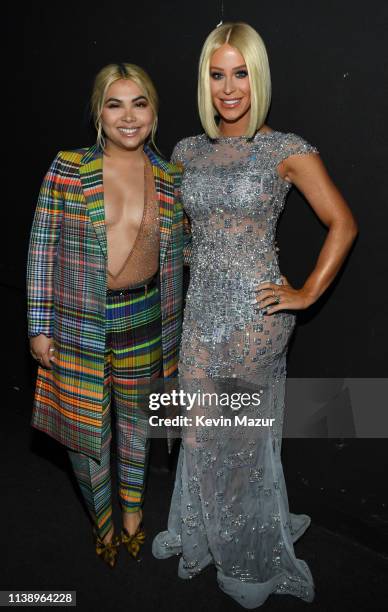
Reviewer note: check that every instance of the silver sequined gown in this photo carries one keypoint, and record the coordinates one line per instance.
(229, 506)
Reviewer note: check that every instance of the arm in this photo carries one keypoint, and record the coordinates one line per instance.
(187, 246)
(177, 159)
(40, 265)
(309, 175)
(186, 225)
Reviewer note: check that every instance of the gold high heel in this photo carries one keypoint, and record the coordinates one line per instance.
(107, 551)
(134, 542)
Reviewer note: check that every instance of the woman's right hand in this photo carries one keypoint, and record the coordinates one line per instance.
(42, 349)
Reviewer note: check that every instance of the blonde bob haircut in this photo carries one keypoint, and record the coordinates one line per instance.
(247, 41)
(104, 79)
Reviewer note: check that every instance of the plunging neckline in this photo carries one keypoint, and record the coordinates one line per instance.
(114, 276)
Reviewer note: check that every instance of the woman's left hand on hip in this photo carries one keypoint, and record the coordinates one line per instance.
(273, 297)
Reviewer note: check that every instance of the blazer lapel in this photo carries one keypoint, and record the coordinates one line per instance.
(92, 184)
(164, 185)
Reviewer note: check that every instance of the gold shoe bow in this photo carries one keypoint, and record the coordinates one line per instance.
(134, 542)
(108, 551)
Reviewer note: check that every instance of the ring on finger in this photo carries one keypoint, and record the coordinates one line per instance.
(277, 298)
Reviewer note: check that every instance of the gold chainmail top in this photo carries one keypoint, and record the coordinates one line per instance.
(142, 261)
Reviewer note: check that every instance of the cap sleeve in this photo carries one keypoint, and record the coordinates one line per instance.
(178, 157)
(186, 150)
(292, 144)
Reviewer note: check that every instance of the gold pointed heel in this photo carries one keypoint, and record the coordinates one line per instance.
(133, 543)
(108, 551)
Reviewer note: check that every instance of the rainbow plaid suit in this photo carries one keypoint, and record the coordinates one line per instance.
(66, 288)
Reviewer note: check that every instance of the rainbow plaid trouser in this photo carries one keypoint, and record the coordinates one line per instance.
(133, 357)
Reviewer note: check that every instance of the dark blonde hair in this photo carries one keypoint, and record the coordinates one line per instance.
(104, 79)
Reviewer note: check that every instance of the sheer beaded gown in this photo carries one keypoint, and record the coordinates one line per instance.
(229, 506)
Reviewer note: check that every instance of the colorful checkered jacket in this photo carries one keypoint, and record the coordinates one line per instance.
(66, 291)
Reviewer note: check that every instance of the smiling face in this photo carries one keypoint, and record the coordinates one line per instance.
(230, 90)
(127, 116)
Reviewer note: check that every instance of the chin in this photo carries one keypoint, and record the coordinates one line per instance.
(129, 146)
(231, 118)
(234, 117)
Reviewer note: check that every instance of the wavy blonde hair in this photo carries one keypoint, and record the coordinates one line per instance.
(247, 41)
(104, 79)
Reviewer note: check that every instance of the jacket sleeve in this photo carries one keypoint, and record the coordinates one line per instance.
(42, 253)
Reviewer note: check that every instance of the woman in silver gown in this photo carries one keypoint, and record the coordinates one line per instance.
(229, 506)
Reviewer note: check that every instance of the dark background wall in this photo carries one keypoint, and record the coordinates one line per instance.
(329, 85)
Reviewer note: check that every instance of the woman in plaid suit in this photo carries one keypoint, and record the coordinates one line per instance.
(105, 297)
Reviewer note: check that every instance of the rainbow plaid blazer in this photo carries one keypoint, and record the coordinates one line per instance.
(66, 291)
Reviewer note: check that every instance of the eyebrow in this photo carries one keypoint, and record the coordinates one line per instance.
(133, 100)
(222, 70)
